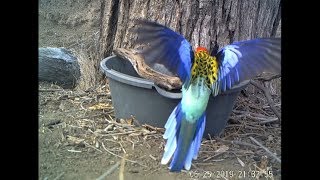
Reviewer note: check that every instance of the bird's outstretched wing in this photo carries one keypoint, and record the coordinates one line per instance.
(164, 47)
(244, 60)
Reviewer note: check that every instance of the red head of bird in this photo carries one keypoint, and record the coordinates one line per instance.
(199, 49)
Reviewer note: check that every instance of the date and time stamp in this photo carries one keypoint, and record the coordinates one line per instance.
(231, 174)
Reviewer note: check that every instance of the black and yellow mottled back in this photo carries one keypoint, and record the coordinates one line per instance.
(205, 66)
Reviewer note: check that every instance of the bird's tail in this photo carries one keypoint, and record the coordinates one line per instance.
(183, 139)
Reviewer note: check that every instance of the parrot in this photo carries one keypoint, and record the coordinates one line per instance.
(202, 74)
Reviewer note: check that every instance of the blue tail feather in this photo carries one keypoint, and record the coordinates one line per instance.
(199, 135)
(183, 146)
(172, 124)
(172, 116)
(188, 160)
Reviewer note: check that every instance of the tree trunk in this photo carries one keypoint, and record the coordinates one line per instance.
(209, 23)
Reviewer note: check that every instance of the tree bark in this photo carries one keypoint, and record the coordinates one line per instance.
(209, 23)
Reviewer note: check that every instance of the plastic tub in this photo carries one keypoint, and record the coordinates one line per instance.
(150, 104)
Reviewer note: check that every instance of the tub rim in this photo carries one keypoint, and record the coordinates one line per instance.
(148, 84)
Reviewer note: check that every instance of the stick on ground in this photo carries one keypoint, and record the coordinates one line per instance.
(114, 167)
(266, 149)
(123, 162)
(268, 96)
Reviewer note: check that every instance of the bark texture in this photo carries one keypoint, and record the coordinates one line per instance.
(209, 23)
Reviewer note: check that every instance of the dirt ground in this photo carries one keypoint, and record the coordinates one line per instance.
(79, 137)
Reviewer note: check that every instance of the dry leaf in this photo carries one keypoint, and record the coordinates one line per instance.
(130, 121)
(135, 134)
(110, 127)
(75, 140)
(223, 148)
(99, 106)
(115, 137)
(263, 162)
(122, 121)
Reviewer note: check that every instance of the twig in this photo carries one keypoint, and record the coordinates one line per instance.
(250, 134)
(54, 122)
(50, 90)
(92, 147)
(155, 159)
(74, 126)
(267, 106)
(268, 78)
(211, 140)
(136, 121)
(104, 94)
(82, 106)
(122, 147)
(59, 176)
(123, 162)
(267, 121)
(110, 117)
(152, 171)
(209, 163)
(242, 126)
(114, 167)
(71, 150)
(248, 113)
(235, 117)
(268, 96)
(210, 157)
(90, 116)
(123, 133)
(238, 143)
(112, 141)
(132, 143)
(262, 119)
(129, 126)
(147, 126)
(121, 156)
(266, 149)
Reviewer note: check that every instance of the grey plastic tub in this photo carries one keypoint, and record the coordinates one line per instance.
(150, 104)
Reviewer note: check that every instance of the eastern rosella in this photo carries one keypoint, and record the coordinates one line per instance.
(202, 74)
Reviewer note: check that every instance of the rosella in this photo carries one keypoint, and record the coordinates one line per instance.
(202, 74)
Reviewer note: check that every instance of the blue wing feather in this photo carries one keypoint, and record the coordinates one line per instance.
(166, 47)
(244, 60)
